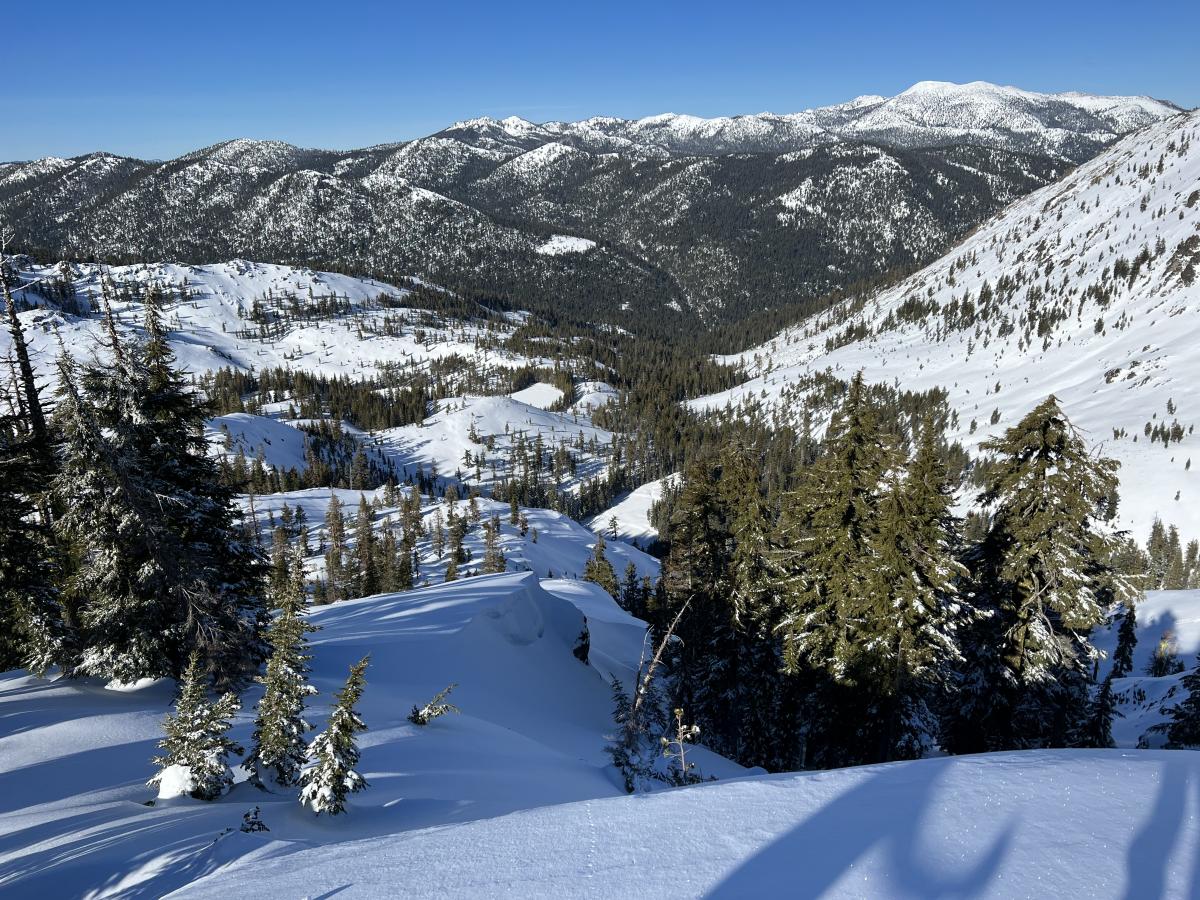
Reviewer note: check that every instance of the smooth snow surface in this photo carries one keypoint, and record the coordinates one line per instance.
(541, 395)
(1040, 825)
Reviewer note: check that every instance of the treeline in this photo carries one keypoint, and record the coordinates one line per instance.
(852, 618)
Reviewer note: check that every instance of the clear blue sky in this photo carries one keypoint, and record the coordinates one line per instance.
(159, 79)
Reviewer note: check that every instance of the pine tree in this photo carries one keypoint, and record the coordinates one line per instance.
(827, 538)
(1126, 641)
(1097, 731)
(599, 570)
(907, 635)
(278, 750)
(161, 566)
(330, 776)
(1043, 573)
(825, 553)
(197, 744)
(1184, 728)
(366, 581)
(493, 555)
(335, 551)
(34, 628)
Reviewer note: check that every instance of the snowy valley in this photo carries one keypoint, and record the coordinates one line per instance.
(854, 610)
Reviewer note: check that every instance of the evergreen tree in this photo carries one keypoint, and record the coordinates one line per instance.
(825, 554)
(1043, 573)
(335, 551)
(366, 581)
(828, 536)
(1184, 728)
(278, 750)
(34, 631)
(330, 776)
(197, 744)
(160, 565)
(1126, 641)
(1097, 731)
(599, 570)
(907, 635)
(493, 555)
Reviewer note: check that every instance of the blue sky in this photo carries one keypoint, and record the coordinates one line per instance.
(159, 79)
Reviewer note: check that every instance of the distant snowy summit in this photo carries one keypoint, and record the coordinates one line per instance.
(929, 114)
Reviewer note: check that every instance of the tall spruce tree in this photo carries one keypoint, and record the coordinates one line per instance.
(599, 570)
(330, 776)
(335, 551)
(908, 633)
(1126, 641)
(278, 751)
(160, 564)
(34, 632)
(1042, 572)
(825, 558)
(366, 554)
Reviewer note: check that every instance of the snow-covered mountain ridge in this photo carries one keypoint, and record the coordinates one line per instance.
(1085, 289)
(684, 220)
(930, 113)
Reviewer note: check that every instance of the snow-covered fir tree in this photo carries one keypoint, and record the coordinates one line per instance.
(1042, 574)
(330, 777)
(907, 636)
(160, 564)
(1126, 641)
(197, 745)
(278, 750)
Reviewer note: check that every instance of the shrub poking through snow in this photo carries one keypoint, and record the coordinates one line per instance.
(197, 744)
(673, 748)
(252, 821)
(330, 777)
(423, 715)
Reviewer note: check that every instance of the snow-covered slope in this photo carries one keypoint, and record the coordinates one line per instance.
(928, 114)
(639, 214)
(74, 755)
(632, 513)
(1143, 700)
(210, 314)
(1085, 289)
(1042, 824)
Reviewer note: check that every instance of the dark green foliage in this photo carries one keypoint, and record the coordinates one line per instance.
(278, 751)
(197, 737)
(599, 570)
(159, 566)
(1184, 728)
(330, 777)
(1043, 576)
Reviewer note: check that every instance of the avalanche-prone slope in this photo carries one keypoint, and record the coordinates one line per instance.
(1086, 289)
(1096, 824)
(74, 755)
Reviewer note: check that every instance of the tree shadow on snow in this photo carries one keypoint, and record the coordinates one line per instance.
(1149, 857)
(884, 810)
